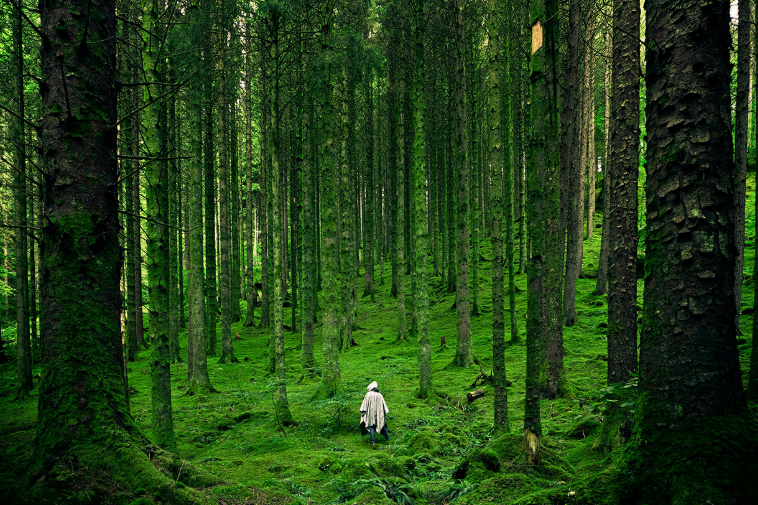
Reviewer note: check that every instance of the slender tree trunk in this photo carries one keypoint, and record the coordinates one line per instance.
(368, 209)
(23, 346)
(464, 353)
(264, 213)
(602, 271)
(199, 382)
(570, 160)
(420, 209)
(496, 163)
(346, 231)
(589, 117)
(174, 261)
(740, 149)
(225, 187)
(309, 239)
(399, 225)
(249, 198)
(156, 196)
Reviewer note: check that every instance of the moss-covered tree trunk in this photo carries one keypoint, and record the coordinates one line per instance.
(84, 429)
(225, 186)
(156, 197)
(554, 380)
(369, 244)
(400, 211)
(690, 392)
(174, 262)
(464, 354)
(347, 232)
(496, 227)
(263, 208)
(420, 210)
(309, 244)
(472, 88)
(199, 381)
(330, 371)
(250, 288)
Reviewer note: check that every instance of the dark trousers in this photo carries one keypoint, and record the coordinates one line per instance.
(372, 432)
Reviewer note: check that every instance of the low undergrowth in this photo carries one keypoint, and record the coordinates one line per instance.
(441, 450)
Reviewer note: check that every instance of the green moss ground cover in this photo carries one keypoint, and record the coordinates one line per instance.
(441, 450)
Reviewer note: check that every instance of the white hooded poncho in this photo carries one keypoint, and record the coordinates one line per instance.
(373, 408)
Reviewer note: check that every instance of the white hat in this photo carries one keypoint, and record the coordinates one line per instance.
(372, 386)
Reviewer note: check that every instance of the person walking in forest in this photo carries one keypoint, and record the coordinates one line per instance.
(373, 410)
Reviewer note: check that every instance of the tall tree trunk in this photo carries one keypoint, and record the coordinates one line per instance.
(174, 261)
(211, 291)
(23, 346)
(309, 245)
(689, 381)
(279, 239)
(156, 197)
(740, 149)
(496, 163)
(346, 215)
(474, 198)
(330, 371)
(554, 376)
(602, 271)
(464, 353)
(420, 209)
(589, 117)
(368, 208)
(250, 288)
(399, 225)
(197, 365)
(623, 171)
(225, 187)
(264, 211)
(571, 115)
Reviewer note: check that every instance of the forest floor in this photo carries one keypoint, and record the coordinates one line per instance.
(441, 450)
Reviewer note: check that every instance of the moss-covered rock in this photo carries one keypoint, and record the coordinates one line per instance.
(478, 465)
(355, 469)
(583, 428)
(423, 442)
(372, 496)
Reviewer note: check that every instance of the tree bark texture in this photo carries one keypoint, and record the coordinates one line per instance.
(622, 196)
(689, 372)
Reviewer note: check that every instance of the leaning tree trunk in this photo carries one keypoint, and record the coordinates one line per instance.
(689, 381)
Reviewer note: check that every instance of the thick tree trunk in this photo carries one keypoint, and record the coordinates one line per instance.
(464, 353)
(369, 243)
(83, 416)
(689, 381)
(174, 259)
(588, 101)
(309, 239)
